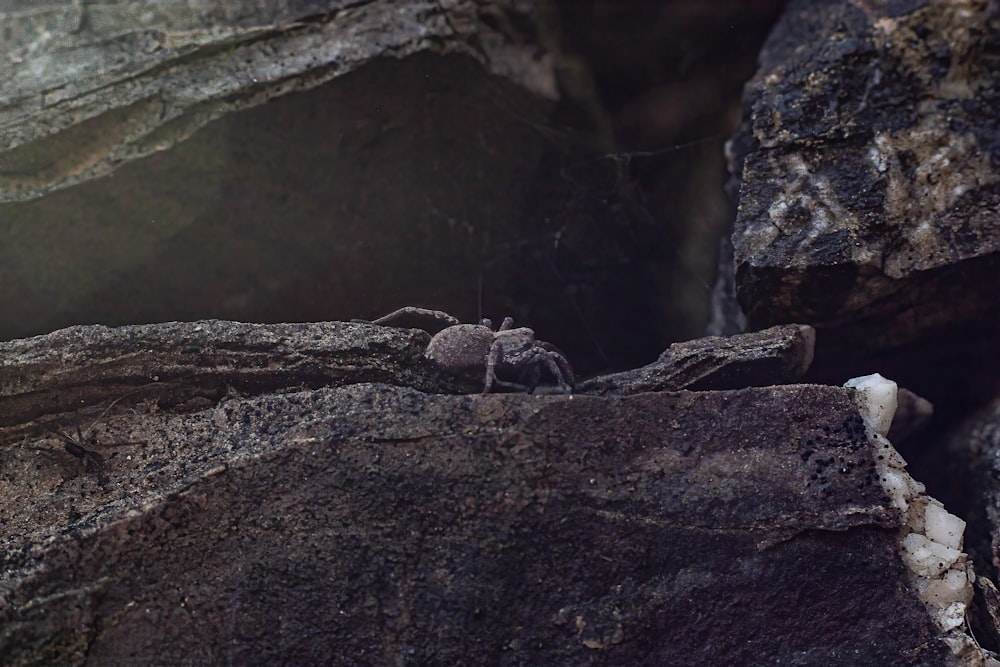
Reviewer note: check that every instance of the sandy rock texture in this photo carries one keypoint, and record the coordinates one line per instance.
(371, 523)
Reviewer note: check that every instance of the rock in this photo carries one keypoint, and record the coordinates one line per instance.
(870, 190)
(779, 355)
(224, 492)
(182, 363)
(969, 461)
(869, 200)
(913, 414)
(89, 87)
(380, 521)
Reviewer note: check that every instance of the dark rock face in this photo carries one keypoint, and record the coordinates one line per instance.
(870, 197)
(973, 465)
(394, 159)
(373, 524)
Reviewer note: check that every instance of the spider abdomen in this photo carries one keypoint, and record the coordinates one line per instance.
(462, 348)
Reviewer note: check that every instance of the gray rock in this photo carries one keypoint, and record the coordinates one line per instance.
(89, 87)
(972, 470)
(870, 188)
(374, 524)
(186, 365)
(779, 355)
(913, 414)
(438, 146)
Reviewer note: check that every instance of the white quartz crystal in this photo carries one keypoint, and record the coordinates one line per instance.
(941, 527)
(927, 558)
(879, 395)
(930, 538)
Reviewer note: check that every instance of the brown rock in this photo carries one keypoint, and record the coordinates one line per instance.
(375, 524)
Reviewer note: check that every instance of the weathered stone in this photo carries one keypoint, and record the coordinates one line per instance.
(88, 87)
(779, 355)
(870, 196)
(391, 525)
(254, 493)
(184, 363)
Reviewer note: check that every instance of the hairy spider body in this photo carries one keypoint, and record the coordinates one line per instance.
(461, 348)
(81, 447)
(508, 357)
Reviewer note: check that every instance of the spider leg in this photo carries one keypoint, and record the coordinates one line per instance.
(532, 374)
(534, 360)
(552, 363)
(566, 377)
(99, 417)
(494, 358)
(496, 349)
(91, 459)
(516, 386)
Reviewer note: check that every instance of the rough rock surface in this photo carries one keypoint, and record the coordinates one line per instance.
(398, 526)
(779, 355)
(191, 364)
(870, 195)
(88, 87)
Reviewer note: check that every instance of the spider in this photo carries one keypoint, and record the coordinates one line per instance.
(92, 460)
(509, 357)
